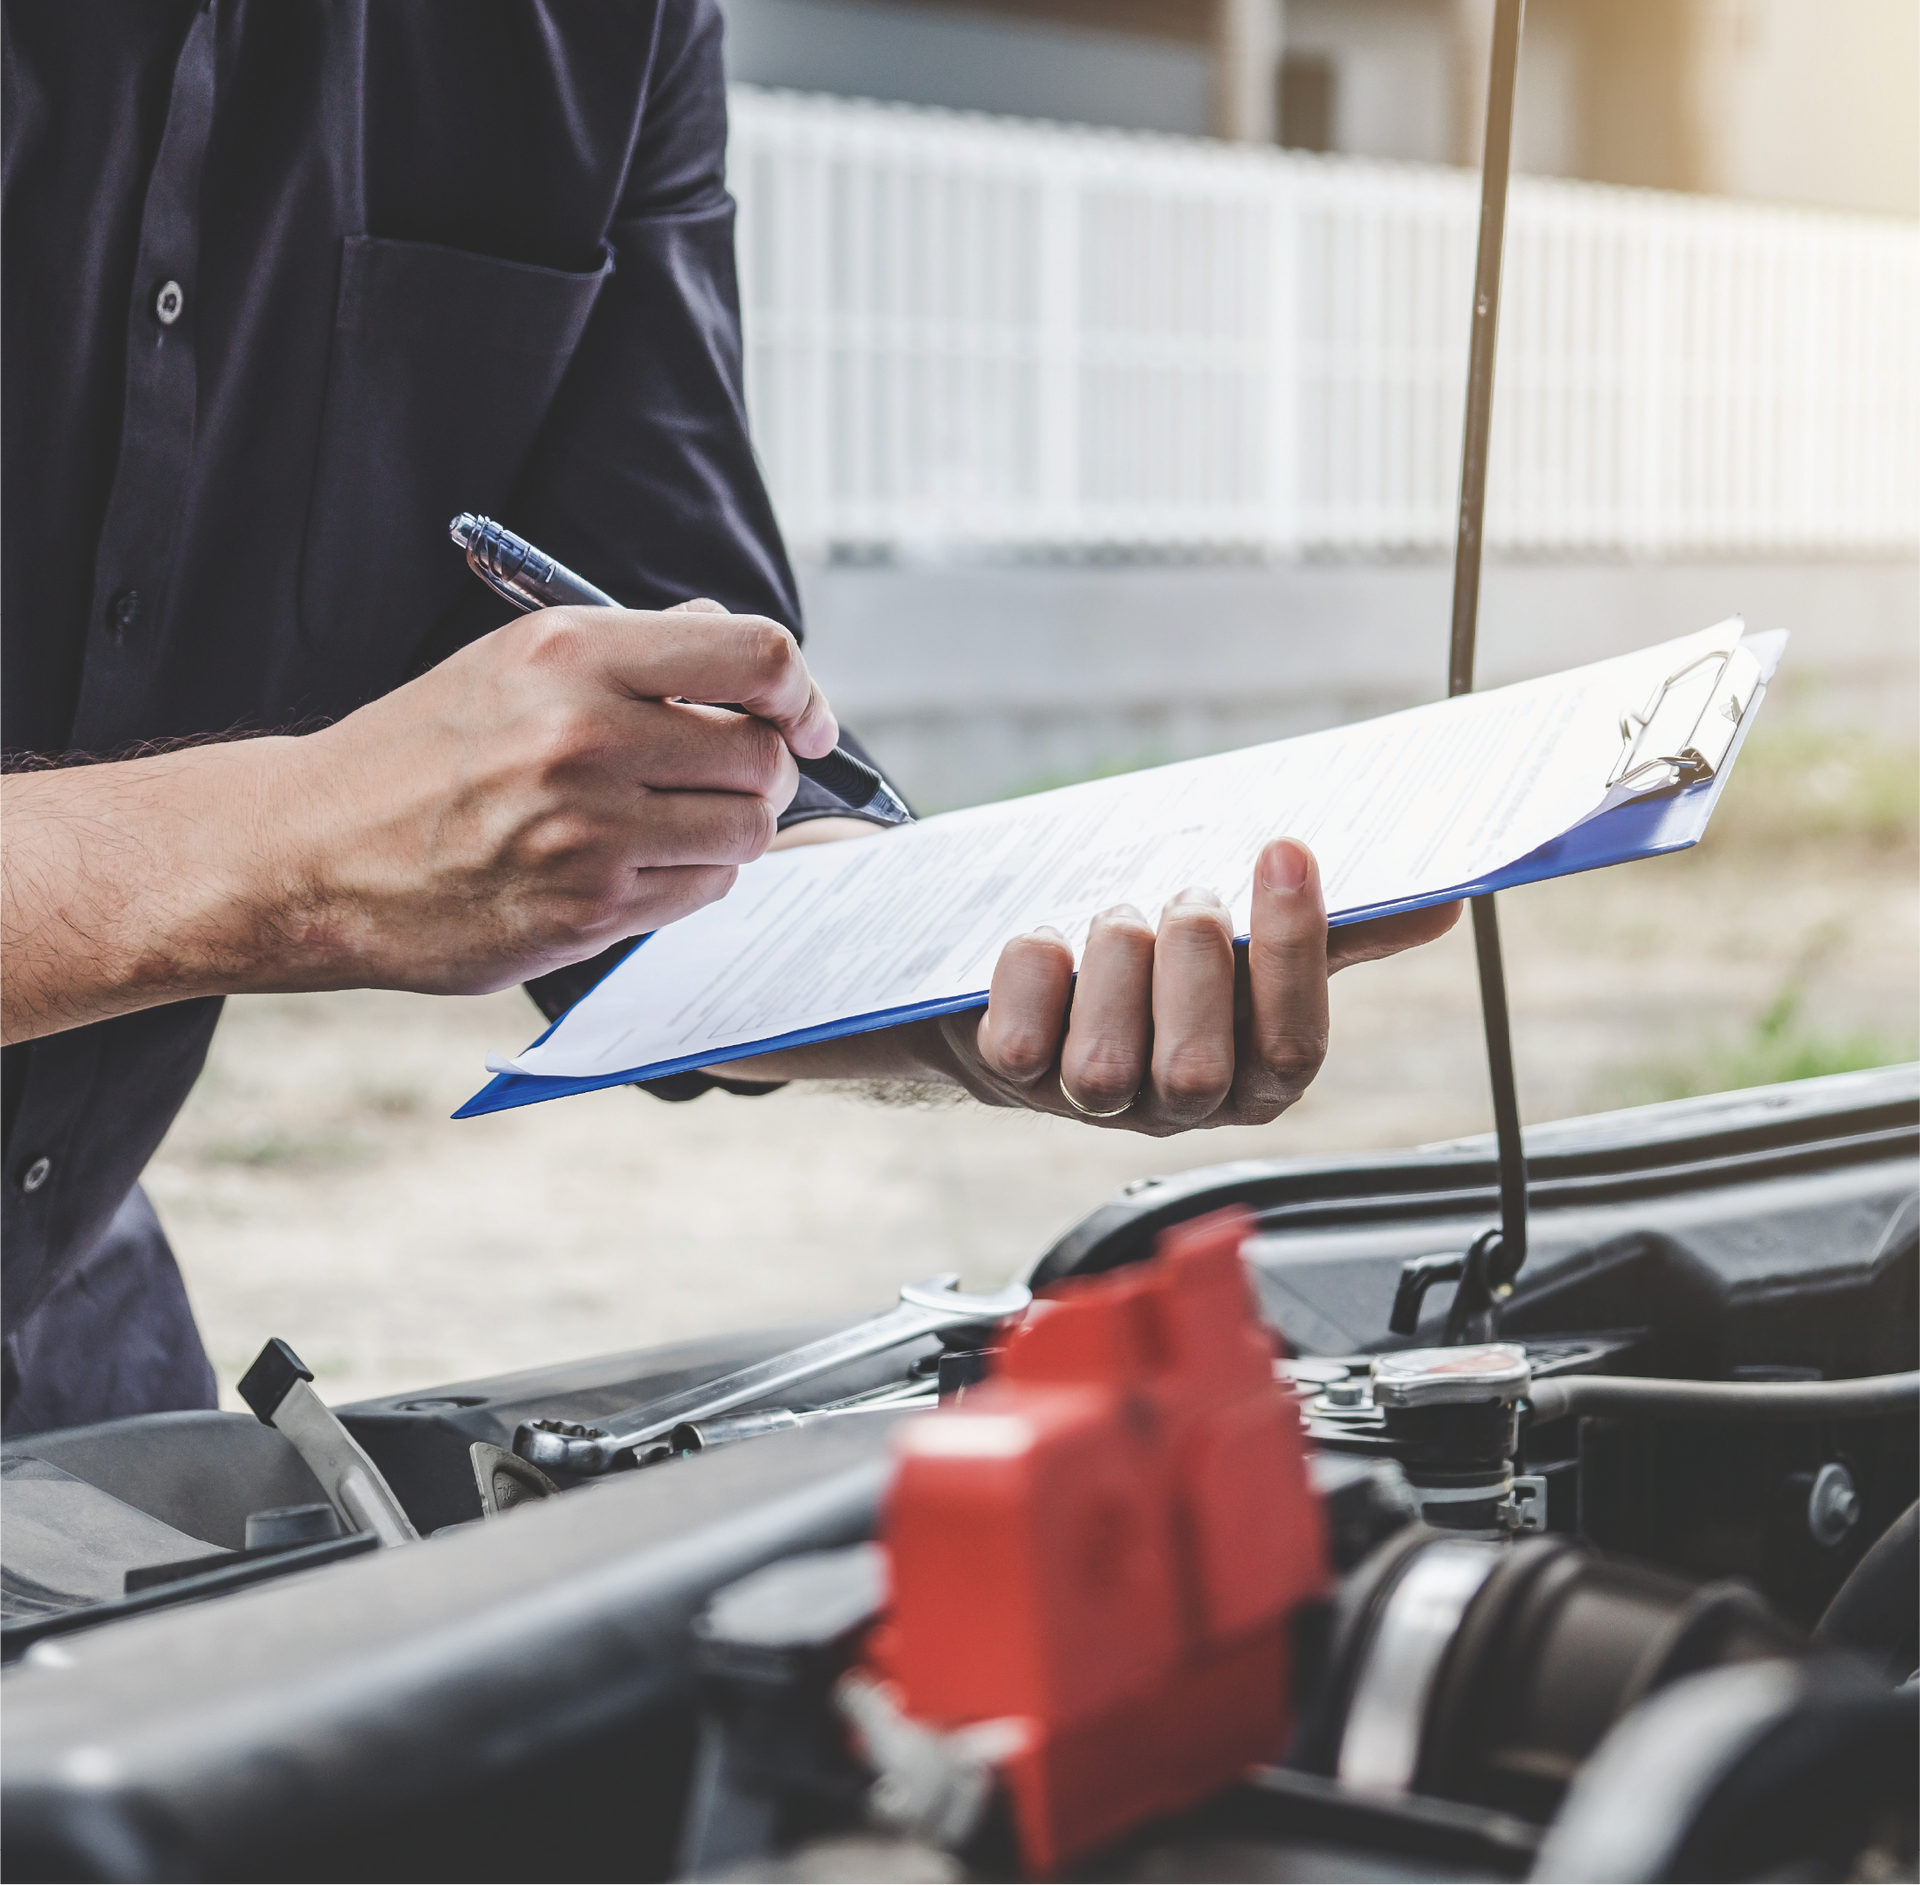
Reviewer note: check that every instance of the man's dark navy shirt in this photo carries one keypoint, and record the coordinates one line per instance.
(288, 284)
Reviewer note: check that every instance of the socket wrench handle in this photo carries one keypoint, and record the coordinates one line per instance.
(924, 1309)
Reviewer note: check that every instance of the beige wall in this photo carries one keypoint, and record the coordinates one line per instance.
(1811, 101)
(1794, 101)
(1634, 88)
(1784, 100)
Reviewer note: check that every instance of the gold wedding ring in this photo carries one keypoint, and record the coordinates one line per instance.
(1087, 1112)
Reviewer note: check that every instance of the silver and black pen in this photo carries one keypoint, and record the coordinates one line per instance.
(530, 579)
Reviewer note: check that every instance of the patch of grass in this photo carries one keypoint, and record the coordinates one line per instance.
(1778, 1047)
(1800, 784)
(391, 1100)
(283, 1151)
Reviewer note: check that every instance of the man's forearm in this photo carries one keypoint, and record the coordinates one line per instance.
(133, 884)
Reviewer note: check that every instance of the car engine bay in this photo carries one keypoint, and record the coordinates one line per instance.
(1160, 1578)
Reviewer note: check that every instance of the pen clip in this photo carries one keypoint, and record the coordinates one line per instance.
(499, 585)
(488, 544)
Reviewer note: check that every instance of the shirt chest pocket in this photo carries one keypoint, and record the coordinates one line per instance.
(443, 366)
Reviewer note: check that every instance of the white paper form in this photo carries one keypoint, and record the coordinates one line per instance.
(828, 939)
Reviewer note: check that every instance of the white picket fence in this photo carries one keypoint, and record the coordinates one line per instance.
(987, 335)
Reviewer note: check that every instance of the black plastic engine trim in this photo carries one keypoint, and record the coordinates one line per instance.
(1681, 1146)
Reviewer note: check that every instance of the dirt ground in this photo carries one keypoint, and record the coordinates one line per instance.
(316, 1189)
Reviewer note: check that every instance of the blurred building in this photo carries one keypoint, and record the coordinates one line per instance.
(1798, 101)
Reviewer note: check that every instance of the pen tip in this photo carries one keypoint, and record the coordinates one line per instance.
(888, 807)
(464, 529)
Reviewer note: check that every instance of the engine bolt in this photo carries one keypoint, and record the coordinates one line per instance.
(1833, 1506)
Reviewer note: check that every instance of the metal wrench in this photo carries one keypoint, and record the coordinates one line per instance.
(924, 1309)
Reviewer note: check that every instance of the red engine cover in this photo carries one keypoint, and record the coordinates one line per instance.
(1104, 1546)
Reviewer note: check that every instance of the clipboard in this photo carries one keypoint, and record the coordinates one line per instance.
(1677, 750)
(1657, 802)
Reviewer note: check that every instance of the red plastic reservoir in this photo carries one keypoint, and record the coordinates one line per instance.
(1104, 1545)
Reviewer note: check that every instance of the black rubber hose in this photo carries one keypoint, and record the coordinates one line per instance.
(1876, 1609)
(1655, 1399)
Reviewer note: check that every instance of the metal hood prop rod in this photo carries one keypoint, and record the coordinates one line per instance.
(1489, 1267)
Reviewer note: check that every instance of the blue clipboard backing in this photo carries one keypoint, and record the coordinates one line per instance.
(1621, 834)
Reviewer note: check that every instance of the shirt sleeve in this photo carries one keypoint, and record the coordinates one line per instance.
(644, 474)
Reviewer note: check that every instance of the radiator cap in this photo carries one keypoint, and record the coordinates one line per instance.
(1429, 1377)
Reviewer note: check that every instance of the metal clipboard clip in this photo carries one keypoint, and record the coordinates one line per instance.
(1684, 734)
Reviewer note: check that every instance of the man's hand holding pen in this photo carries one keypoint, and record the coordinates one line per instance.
(558, 786)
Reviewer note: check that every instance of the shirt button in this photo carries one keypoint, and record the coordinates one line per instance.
(36, 1174)
(168, 303)
(125, 610)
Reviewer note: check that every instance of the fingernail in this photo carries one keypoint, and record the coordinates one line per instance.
(1283, 866)
(1124, 913)
(1200, 894)
(1047, 933)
